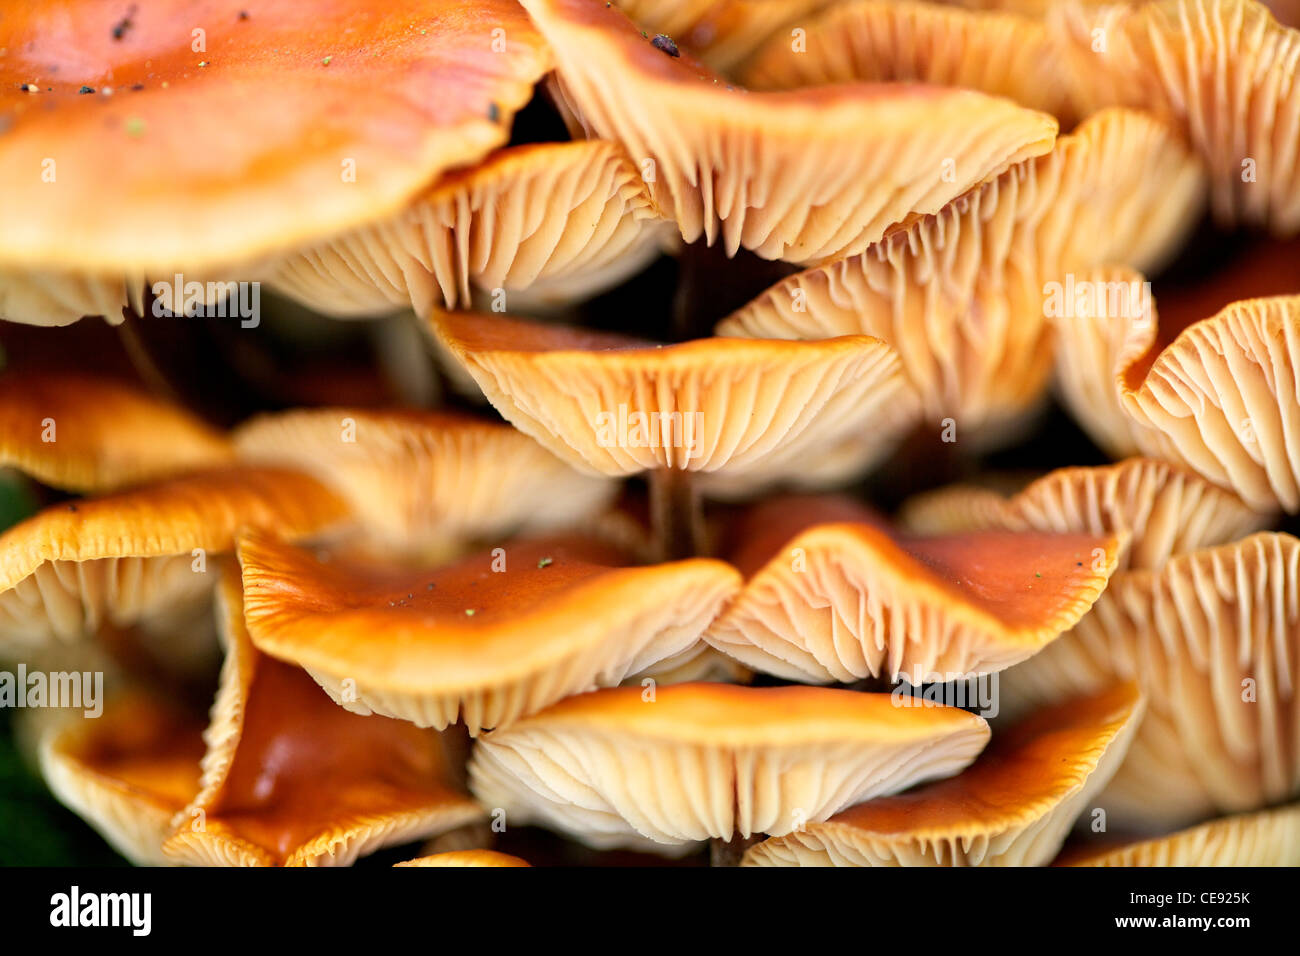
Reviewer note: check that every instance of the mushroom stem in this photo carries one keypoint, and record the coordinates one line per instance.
(676, 514)
(728, 852)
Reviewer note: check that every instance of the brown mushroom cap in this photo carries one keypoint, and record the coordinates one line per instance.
(832, 594)
(314, 90)
(1213, 638)
(420, 481)
(134, 556)
(127, 772)
(1013, 806)
(1001, 53)
(1222, 70)
(488, 639)
(702, 405)
(1161, 509)
(93, 435)
(554, 220)
(960, 296)
(466, 858)
(787, 175)
(290, 779)
(712, 760)
(1265, 838)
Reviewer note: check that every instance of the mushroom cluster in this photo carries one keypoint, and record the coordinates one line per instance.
(754, 438)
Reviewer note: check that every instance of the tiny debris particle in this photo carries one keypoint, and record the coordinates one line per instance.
(72, 507)
(665, 44)
(469, 612)
(430, 587)
(135, 126)
(203, 62)
(243, 14)
(86, 89)
(124, 24)
(1037, 575)
(494, 112)
(138, 87)
(544, 563)
(326, 60)
(29, 88)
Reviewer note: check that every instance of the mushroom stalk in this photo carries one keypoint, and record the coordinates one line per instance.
(676, 514)
(729, 852)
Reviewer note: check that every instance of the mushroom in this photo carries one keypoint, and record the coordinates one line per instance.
(290, 779)
(687, 762)
(423, 482)
(1159, 509)
(486, 640)
(1263, 838)
(801, 176)
(1213, 638)
(616, 405)
(142, 556)
(91, 435)
(833, 594)
(1013, 806)
(466, 858)
(553, 221)
(126, 772)
(336, 127)
(1222, 70)
(961, 296)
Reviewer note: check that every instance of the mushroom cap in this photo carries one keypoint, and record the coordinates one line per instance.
(702, 405)
(1222, 398)
(712, 760)
(802, 176)
(1001, 53)
(134, 556)
(550, 219)
(470, 640)
(421, 479)
(1213, 638)
(127, 772)
(466, 858)
(290, 779)
(1162, 509)
(832, 594)
(1223, 70)
(1264, 838)
(960, 295)
(1013, 806)
(90, 435)
(306, 89)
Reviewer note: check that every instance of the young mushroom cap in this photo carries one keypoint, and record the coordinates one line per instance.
(961, 296)
(466, 858)
(336, 127)
(615, 405)
(1162, 509)
(552, 221)
(141, 556)
(833, 594)
(92, 435)
(421, 481)
(290, 779)
(802, 176)
(1213, 638)
(693, 761)
(1264, 838)
(126, 772)
(485, 640)
(1013, 806)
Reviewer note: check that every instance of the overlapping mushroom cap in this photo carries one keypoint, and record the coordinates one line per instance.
(963, 296)
(466, 858)
(802, 176)
(143, 555)
(422, 482)
(693, 761)
(1264, 838)
(486, 640)
(291, 779)
(833, 594)
(1012, 807)
(552, 221)
(323, 113)
(86, 434)
(1213, 639)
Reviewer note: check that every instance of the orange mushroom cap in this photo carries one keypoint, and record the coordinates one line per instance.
(1264, 838)
(466, 858)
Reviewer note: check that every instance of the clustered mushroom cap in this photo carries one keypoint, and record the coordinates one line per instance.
(485, 640)
(1013, 806)
(834, 594)
(466, 858)
(1263, 838)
